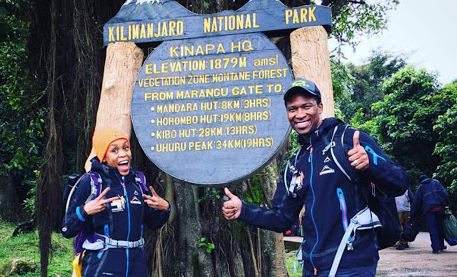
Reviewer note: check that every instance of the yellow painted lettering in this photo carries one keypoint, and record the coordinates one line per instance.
(143, 31)
(311, 16)
(207, 25)
(288, 15)
(172, 28)
(123, 38)
(303, 12)
(111, 33)
(295, 18)
(135, 31)
(254, 21)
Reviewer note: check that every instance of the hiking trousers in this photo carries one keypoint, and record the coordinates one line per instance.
(435, 221)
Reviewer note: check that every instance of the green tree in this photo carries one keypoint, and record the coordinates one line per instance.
(446, 146)
(360, 85)
(351, 19)
(21, 111)
(406, 117)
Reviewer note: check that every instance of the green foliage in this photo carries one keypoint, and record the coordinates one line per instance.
(22, 115)
(446, 146)
(210, 193)
(361, 85)
(413, 119)
(29, 202)
(292, 266)
(26, 246)
(405, 120)
(353, 18)
(255, 194)
(202, 243)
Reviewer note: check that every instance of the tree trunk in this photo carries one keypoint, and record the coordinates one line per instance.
(10, 206)
(272, 243)
(311, 60)
(123, 62)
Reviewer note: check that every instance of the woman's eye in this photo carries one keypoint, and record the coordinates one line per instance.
(126, 148)
(114, 150)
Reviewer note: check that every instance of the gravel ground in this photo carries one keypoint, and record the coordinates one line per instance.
(418, 260)
(415, 261)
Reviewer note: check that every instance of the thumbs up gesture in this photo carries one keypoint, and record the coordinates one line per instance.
(357, 155)
(231, 207)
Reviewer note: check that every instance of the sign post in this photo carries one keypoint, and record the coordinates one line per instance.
(207, 104)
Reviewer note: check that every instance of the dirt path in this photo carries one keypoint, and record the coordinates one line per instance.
(418, 260)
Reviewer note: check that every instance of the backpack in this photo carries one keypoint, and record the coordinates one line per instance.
(96, 188)
(379, 203)
(380, 213)
(450, 227)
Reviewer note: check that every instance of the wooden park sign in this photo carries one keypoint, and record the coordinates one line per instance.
(207, 105)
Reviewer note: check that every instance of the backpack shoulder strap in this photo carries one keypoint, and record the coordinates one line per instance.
(140, 179)
(72, 191)
(338, 147)
(95, 185)
(291, 168)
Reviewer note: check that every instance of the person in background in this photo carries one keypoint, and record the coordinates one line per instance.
(403, 203)
(430, 199)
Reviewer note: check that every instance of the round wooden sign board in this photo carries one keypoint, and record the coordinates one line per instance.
(210, 111)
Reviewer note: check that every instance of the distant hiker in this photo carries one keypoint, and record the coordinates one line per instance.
(111, 219)
(313, 179)
(403, 203)
(430, 199)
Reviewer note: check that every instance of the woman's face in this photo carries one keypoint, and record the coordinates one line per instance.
(119, 156)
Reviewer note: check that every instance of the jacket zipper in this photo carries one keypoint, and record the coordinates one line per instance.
(312, 206)
(128, 230)
(343, 208)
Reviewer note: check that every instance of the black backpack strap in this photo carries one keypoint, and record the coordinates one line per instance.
(290, 187)
(338, 147)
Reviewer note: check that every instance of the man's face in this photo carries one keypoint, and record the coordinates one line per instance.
(119, 156)
(304, 114)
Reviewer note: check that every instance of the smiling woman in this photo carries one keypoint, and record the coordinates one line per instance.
(108, 219)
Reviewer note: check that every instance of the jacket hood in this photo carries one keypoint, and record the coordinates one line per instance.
(426, 181)
(106, 170)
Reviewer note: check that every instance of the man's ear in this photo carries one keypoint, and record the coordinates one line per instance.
(320, 107)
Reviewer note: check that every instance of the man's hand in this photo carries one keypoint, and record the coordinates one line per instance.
(231, 207)
(98, 204)
(357, 155)
(155, 201)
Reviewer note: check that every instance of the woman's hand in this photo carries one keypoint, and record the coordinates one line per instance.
(98, 204)
(155, 201)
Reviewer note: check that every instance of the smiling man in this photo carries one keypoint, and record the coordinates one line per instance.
(312, 178)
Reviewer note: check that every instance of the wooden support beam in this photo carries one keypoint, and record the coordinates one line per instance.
(311, 60)
(123, 62)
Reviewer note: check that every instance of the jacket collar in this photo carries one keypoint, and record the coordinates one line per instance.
(323, 130)
(107, 171)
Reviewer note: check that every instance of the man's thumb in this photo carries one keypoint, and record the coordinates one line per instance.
(356, 139)
(228, 193)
